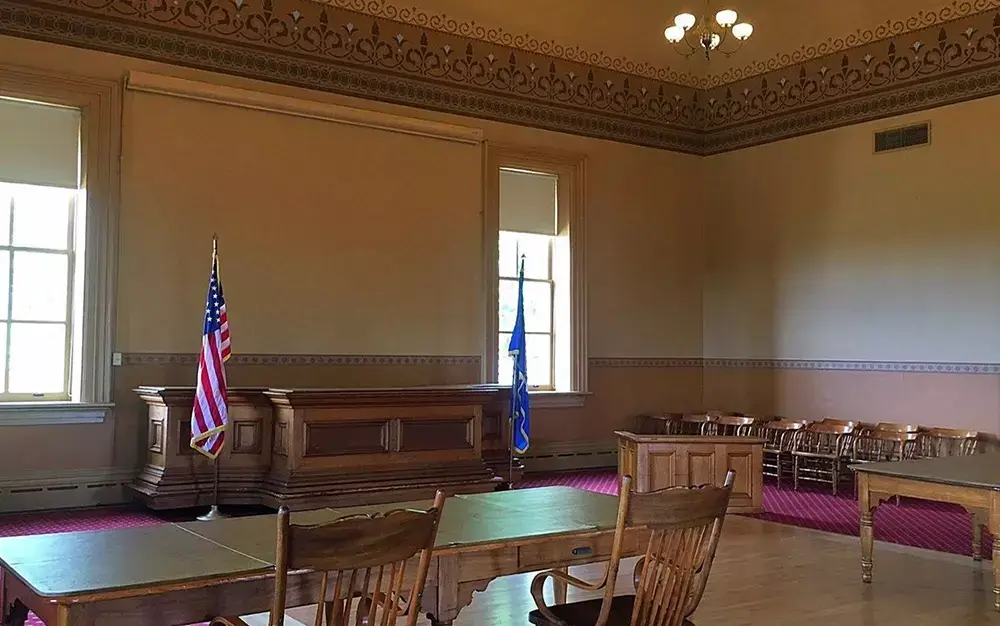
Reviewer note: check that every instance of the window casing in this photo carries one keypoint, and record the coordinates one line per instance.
(566, 277)
(90, 255)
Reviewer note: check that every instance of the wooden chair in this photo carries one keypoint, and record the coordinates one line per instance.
(732, 425)
(900, 428)
(658, 423)
(698, 424)
(779, 437)
(365, 556)
(669, 580)
(938, 442)
(821, 453)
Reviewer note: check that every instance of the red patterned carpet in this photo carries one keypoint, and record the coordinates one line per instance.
(916, 523)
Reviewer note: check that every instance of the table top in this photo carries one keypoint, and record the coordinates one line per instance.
(65, 565)
(981, 471)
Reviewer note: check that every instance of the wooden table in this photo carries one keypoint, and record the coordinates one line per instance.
(183, 573)
(972, 482)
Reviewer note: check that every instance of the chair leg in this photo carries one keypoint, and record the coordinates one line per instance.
(795, 473)
(836, 480)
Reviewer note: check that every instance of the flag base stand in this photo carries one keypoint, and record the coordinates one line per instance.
(213, 514)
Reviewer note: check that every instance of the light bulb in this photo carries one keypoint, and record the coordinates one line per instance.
(742, 31)
(714, 43)
(685, 20)
(726, 18)
(674, 34)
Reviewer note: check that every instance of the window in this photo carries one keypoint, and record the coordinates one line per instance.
(539, 310)
(37, 291)
(58, 235)
(534, 208)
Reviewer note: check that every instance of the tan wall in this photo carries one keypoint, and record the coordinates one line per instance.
(400, 277)
(827, 252)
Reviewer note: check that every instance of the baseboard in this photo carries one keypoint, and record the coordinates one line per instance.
(557, 456)
(64, 489)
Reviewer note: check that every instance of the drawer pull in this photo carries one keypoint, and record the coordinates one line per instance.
(583, 551)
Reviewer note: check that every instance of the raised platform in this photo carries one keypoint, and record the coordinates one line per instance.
(308, 448)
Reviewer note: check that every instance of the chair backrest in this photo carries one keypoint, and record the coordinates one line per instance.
(938, 442)
(824, 438)
(360, 556)
(778, 434)
(838, 422)
(900, 428)
(734, 425)
(884, 445)
(685, 524)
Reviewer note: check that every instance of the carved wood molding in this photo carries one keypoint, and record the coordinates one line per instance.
(317, 46)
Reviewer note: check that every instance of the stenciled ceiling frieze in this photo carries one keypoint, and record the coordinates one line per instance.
(385, 57)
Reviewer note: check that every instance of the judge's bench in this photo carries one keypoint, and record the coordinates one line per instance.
(310, 448)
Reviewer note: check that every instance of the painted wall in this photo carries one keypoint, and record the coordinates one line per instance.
(323, 255)
(823, 251)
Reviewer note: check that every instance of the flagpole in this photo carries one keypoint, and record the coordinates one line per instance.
(214, 513)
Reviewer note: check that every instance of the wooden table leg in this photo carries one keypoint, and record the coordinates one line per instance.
(559, 587)
(867, 528)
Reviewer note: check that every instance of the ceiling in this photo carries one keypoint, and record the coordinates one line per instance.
(628, 34)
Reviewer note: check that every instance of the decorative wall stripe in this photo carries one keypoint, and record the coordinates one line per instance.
(301, 359)
(134, 359)
(860, 366)
(645, 362)
(320, 46)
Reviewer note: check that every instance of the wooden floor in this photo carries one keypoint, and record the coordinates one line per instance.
(776, 575)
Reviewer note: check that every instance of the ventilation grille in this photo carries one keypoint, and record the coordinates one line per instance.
(905, 137)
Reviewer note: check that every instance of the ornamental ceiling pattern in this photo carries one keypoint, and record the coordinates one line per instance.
(952, 55)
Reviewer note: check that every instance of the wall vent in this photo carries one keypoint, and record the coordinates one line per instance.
(904, 137)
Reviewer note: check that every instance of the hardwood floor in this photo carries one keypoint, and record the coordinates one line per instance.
(777, 575)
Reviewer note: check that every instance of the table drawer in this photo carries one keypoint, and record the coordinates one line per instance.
(558, 552)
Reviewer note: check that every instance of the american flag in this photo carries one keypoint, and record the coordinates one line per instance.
(210, 416)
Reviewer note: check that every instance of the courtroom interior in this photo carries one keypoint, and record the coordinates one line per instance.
(697, 302)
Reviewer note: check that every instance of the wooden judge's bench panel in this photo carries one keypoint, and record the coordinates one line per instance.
(309, 448)
(661, 461)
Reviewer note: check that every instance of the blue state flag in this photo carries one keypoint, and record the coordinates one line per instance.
(519, 409)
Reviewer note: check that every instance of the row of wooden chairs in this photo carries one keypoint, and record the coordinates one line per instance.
(821, 450)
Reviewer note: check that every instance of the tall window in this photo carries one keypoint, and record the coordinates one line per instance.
(529, 230)
(40, 266)
(535, 209)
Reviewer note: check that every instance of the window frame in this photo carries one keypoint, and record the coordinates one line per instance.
(570, 168)
(99, 103)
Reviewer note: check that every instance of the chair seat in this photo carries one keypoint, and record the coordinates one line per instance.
(585, 613)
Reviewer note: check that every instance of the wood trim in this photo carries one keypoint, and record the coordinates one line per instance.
(262, 101)
(100, 104)
(571, 168)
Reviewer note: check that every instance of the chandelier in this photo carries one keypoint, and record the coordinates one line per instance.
(689, 34)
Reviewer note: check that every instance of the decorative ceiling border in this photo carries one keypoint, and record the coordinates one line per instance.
(526, 42)
(309, 44)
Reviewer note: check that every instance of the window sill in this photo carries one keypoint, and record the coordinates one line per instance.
(52, 413)
(557, 399)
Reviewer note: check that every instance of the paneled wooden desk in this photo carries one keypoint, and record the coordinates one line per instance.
(184, 573)
(661, 461)
(970, 481)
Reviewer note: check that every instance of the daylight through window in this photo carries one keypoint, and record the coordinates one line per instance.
(40, 286)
